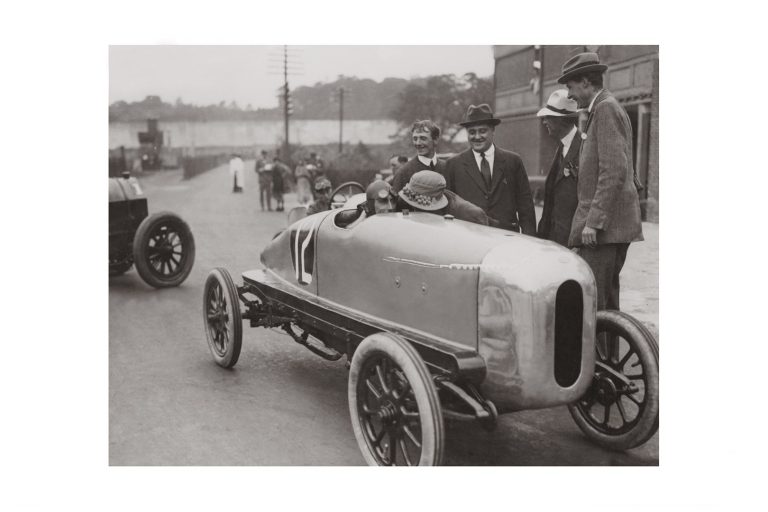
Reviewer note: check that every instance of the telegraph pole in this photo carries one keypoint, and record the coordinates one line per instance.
(341, 118)
(286, 97)
(284, 92)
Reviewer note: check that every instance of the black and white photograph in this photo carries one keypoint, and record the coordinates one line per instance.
(385, 255)
(339, 238)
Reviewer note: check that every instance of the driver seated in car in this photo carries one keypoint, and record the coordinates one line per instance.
(323, 201)
(425, 192)
(378, 199)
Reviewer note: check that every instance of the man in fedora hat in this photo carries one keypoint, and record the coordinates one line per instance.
(559, 118)
(490, 177)
(607, 218)
(424, 137)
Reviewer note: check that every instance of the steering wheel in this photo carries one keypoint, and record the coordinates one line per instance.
(345, 191)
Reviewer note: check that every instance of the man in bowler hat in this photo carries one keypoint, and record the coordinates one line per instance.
(490, 177)
(607, 218)
(559, 117)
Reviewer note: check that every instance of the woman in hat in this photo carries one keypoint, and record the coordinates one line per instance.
(425, 192)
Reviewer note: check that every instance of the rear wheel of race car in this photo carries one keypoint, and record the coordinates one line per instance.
(395, 409)
(163, 250)
(222, 317)
(620, 410)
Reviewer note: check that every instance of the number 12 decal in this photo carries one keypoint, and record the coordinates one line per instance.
(303, 249)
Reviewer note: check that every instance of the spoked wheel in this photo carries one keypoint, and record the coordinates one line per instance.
(223, 320)
(345, 191)
(620, 410)
(164, 250)
(395, 410)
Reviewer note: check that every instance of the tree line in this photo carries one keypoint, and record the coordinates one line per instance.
(442, 98)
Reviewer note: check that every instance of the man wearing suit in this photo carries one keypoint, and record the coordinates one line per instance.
(424, 136)
(607, 218)
(559, 117)
(490, 177)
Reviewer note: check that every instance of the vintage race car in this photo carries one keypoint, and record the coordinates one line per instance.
(161, 245)
(439, 318)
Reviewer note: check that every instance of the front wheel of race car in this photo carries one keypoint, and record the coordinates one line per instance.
(620, 410)
(163, 250)
(222, 318)
(395, 409)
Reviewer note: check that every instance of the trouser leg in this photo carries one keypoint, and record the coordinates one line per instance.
(606, 262)
(612, 300)
(600, 259)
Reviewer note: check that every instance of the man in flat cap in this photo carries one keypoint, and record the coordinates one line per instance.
(607, 218)
(559, 117)
(490, 177)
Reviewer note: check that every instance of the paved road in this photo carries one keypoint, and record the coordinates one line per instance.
(170, 404)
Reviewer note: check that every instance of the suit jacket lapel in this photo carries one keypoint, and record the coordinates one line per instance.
(573, 154)
(558, 159)
(470, 167)
(497, 174)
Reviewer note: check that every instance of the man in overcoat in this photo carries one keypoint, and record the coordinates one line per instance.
(607, 218)
(559, 117)
(424, 137)
(490, 177)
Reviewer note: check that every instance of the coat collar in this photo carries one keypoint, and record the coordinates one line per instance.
(601, 97)
(470, 167)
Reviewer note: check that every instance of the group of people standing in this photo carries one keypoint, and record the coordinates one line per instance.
(591, 200)
(274, 175)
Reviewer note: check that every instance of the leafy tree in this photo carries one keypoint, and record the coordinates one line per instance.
(443, 99)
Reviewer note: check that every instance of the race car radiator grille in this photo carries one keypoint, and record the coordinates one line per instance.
(569, 312)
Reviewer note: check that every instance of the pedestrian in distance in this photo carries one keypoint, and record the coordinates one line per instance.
(303, 180)
(491, 177)
(560, 116)
(264, 170)
(424, 137)
(236, 168)
(607, 218)
(279, 175)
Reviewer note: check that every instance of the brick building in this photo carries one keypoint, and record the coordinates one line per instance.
(632, 76)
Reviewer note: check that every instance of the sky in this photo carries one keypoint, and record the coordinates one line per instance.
(205, 75)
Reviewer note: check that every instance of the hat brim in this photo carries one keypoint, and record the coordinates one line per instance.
(546, 112)
(492, 121)
(580, 71)
(437, 205)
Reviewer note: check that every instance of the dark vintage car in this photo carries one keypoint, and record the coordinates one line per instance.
(161, 245)
(442, 318)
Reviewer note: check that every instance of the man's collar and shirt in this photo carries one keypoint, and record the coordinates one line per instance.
(567, 140)
(429, 162)
(484, 161)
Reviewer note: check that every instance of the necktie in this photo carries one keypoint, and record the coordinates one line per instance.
(431, 165)
(485, 171)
